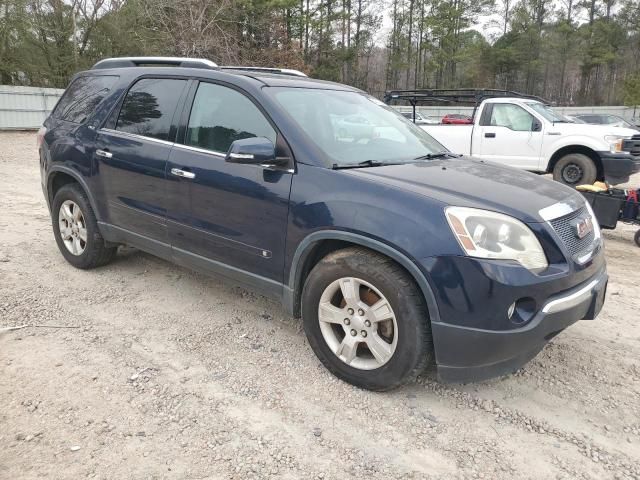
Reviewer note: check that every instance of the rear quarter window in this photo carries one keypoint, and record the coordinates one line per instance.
(82, 97)
(149, 106)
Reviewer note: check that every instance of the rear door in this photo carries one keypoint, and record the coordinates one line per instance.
(131, 153)
(508, 134)
(224, 216)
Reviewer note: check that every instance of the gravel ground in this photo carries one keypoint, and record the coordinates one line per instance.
(170, 374)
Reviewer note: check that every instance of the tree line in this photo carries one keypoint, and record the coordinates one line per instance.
(577, 52)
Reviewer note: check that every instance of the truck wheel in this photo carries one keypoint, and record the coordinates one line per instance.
(76, 229)
(366, 319)
(575, 169)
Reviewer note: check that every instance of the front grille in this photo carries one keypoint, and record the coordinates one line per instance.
(564, 227)
(632, 145)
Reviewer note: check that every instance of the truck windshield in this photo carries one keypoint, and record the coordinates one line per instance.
(353, 128)
(548, 113)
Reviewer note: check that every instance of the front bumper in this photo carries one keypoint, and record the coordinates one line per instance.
(466, 354)
(618, 167)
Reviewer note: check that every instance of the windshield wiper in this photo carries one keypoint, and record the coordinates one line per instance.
(431, 156)
(366, 163)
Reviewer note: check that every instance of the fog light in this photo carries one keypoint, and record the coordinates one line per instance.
(522, 310)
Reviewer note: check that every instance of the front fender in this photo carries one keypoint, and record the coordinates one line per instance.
(306, 246)
(553, 144)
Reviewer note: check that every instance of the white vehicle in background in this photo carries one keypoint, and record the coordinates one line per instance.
(522, 131)
(605, 119)
(421, 119)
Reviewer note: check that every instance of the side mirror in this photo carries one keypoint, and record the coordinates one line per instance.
(253, 151)
(536, 126)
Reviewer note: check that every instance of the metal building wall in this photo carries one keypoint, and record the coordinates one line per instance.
(26, 107)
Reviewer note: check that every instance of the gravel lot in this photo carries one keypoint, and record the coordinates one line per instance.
(170, 374)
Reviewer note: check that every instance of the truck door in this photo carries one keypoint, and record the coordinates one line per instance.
(508, 134)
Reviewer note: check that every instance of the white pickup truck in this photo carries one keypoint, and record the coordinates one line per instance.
(528, 134)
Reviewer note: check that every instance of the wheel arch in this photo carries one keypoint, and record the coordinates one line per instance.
(59, 176)
(584, 150)
(318, 244)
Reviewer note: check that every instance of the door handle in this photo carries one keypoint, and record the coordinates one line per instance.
(490, 135)
(182, 173)
(104, 153)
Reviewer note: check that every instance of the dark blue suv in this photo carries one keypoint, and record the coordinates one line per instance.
(397, 254)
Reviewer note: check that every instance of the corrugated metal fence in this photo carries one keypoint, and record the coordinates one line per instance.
(23, 108)
(27, 107)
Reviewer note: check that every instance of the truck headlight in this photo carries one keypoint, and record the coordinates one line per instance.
(486, 234)
(615, 143)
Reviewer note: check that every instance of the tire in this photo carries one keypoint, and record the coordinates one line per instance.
(636, 238)
(405, 330)
(575, 169)
(83, 246)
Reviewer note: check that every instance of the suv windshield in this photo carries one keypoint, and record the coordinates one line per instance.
(353, 128)
(548, 113)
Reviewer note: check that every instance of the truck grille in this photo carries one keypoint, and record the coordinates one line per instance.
(632, 145)
(564, 227)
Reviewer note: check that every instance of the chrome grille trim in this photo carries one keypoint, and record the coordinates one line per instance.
(580, 249)
(562, 208)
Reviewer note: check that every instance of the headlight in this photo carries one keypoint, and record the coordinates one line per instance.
(615, 143)
(485, 234)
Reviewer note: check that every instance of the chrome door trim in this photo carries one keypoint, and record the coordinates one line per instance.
(135, 136)
(200, 150)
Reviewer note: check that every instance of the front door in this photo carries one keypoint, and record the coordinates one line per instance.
(227, 216)
(132, 155)
(510, 135)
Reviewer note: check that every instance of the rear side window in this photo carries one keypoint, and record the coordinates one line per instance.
(221, 115)
(82, 97)
(149, 107)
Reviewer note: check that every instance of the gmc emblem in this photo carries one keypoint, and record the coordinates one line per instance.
(583, 227)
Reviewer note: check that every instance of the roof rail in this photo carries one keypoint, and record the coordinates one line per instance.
(277, 71)
(456, 95)
(124, 62)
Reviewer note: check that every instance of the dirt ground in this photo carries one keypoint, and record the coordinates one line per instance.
(170, 374)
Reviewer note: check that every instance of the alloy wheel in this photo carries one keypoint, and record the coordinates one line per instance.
(73, 228)
(358, 323)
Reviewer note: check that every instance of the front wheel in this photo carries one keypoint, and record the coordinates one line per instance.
(575, 169)
(366, 319)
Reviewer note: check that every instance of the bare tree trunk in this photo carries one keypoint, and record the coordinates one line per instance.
(409, 42)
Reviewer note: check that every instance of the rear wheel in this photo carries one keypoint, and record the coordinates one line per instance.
(575, 169)
(366, 319)
(636, 238)
(76, 229)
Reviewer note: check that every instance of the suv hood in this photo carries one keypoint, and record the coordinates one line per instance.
(468, 182)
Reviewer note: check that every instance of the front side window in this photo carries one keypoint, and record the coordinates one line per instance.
(221, 115)
(511, 116)
(149, 107)
(351, 127)
(82, 97)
